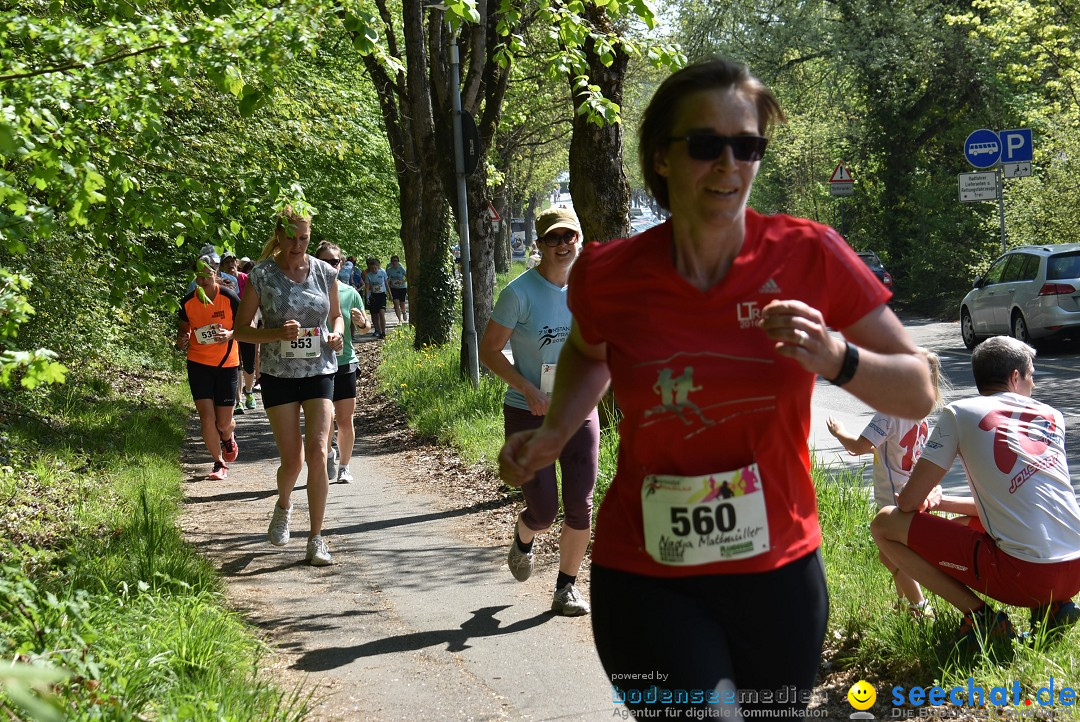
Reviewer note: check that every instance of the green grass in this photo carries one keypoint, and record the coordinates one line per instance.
(866, 635)
(890, 648)
(95, 578)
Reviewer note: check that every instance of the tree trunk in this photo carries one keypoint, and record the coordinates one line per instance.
(598, 183)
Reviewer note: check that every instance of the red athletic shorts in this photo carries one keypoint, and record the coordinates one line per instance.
(971, 556)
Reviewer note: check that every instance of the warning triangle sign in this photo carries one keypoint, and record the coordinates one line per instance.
(841, 174)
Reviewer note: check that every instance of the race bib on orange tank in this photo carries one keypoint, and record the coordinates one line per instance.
(207, 333)
(693, 520)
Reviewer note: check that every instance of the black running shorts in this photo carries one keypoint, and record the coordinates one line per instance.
(212, 382)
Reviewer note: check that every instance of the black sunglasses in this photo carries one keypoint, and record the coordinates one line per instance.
(335, 262)
(557, 239)
(709, 146)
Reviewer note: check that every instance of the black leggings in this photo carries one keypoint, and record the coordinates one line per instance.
(711, 642)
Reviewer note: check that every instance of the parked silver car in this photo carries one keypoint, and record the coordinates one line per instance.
(1031, 293)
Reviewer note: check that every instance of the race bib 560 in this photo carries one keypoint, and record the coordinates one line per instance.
(703, 519)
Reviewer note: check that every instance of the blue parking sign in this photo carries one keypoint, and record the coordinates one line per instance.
(1016, 145)
(982, 148)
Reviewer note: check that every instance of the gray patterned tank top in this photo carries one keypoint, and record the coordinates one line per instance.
(307, 302)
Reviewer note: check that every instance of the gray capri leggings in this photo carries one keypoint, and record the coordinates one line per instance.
(578, 464)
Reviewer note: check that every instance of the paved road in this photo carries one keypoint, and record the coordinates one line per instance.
(1057, 382)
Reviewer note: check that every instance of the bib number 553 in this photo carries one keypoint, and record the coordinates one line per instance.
(702, 519)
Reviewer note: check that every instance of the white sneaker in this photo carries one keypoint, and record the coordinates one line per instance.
(569, 602)
(318, 554)
(344, 475)
(331, 464)
(279, 526)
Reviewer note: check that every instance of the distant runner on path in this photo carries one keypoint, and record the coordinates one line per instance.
(532, 315)
(300, 338)
(352, 310)
(206, 332)
(396, 275)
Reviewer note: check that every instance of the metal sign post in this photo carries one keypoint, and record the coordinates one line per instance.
(468, 323)
(841, 184)
(1009, 153)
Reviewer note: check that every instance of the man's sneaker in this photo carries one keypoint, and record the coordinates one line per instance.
(230, 449)
(331, 464)
(238, 409)
(220, 471)
(979, 628)
(569, 602)
(1054, 615)
(919, 611)
(344, 475)
(318, 554)
(249, 400)
(520, 563)
(278, 533)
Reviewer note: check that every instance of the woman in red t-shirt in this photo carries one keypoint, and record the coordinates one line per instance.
(707, 580)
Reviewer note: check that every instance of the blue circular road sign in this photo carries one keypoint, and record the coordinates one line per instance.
(982, 148)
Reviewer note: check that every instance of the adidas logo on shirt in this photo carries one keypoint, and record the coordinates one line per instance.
(771, 286)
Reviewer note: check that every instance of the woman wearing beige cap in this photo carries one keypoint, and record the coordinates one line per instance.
(531, 313)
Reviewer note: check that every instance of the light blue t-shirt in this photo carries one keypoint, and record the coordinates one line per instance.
(377, 280)
(396, 276)
(536, 310)
(346, 272)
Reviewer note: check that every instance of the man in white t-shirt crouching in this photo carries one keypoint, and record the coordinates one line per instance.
(1019, 539)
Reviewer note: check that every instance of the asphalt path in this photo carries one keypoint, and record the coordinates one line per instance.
(417, 619)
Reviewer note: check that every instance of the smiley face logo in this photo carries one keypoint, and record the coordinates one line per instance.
(862, 695)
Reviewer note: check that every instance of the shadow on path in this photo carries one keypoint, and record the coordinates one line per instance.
(482, 624)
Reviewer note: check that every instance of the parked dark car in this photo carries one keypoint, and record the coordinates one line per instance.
(874, 264)
(1030, 293)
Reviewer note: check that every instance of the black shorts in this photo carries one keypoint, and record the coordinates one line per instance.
(212, 382)
(277, 391)
(377, 302)
(723, 638)
(345, 382)
(399, 294)
(247, 356)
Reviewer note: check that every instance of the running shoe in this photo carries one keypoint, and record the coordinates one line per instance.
(278, 532)
(1054, 615)
(238, 410)
(569, 602)
(249, 400)
(257, 387)
(918, 611)
(331, 464)
(231, 450)
(220, 471)
(318, 554)
(344, 475)
(520, 563)
(979, 628)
